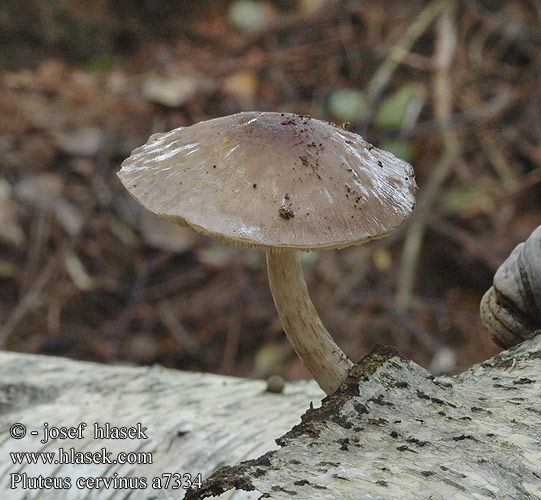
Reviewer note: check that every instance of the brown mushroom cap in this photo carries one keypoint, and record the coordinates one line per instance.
(272, 180)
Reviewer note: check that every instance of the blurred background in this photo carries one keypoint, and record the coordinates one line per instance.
(453, 87)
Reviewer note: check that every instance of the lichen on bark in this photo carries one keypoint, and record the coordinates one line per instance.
(392, 430)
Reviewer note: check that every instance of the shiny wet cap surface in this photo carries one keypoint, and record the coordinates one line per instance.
(273, 180)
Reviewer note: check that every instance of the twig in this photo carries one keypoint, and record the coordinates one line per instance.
(505, 26)
(122, 322)
(445, 48)
(28, 300)
(480, 113)
(380, 80)
(175, 327)
(39, 233)
(231, 345)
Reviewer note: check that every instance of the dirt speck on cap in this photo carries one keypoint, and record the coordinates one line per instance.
(286, 213)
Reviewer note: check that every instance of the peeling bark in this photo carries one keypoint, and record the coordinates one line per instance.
(392, 430)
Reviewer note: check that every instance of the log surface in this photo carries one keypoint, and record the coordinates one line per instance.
(391, 431)
(394, 431)
(195, 423)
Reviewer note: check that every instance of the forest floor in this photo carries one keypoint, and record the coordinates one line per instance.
(452, 87)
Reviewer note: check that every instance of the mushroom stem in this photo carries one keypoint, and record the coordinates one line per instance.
(312, 342)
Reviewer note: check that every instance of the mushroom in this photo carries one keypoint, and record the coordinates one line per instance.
(284, 182)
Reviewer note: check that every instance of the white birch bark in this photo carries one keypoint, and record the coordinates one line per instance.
(195, 422)
(391, 431)
(395, 432)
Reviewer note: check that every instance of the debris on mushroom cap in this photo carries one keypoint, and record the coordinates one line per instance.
(318, 186)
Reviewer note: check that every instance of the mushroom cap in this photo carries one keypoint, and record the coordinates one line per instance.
(276, 180)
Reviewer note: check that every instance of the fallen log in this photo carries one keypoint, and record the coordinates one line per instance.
(395, 431)
(392, 430)
(182, 425)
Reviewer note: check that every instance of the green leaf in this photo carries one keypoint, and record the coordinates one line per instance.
(392, 108)
(465, 199)
(101, 64)
(346, 104)
(401, 149)
(247, 15)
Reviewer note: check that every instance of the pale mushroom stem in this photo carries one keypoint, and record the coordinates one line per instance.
(314, 345)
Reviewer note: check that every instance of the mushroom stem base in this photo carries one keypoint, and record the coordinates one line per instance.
(312, 342)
